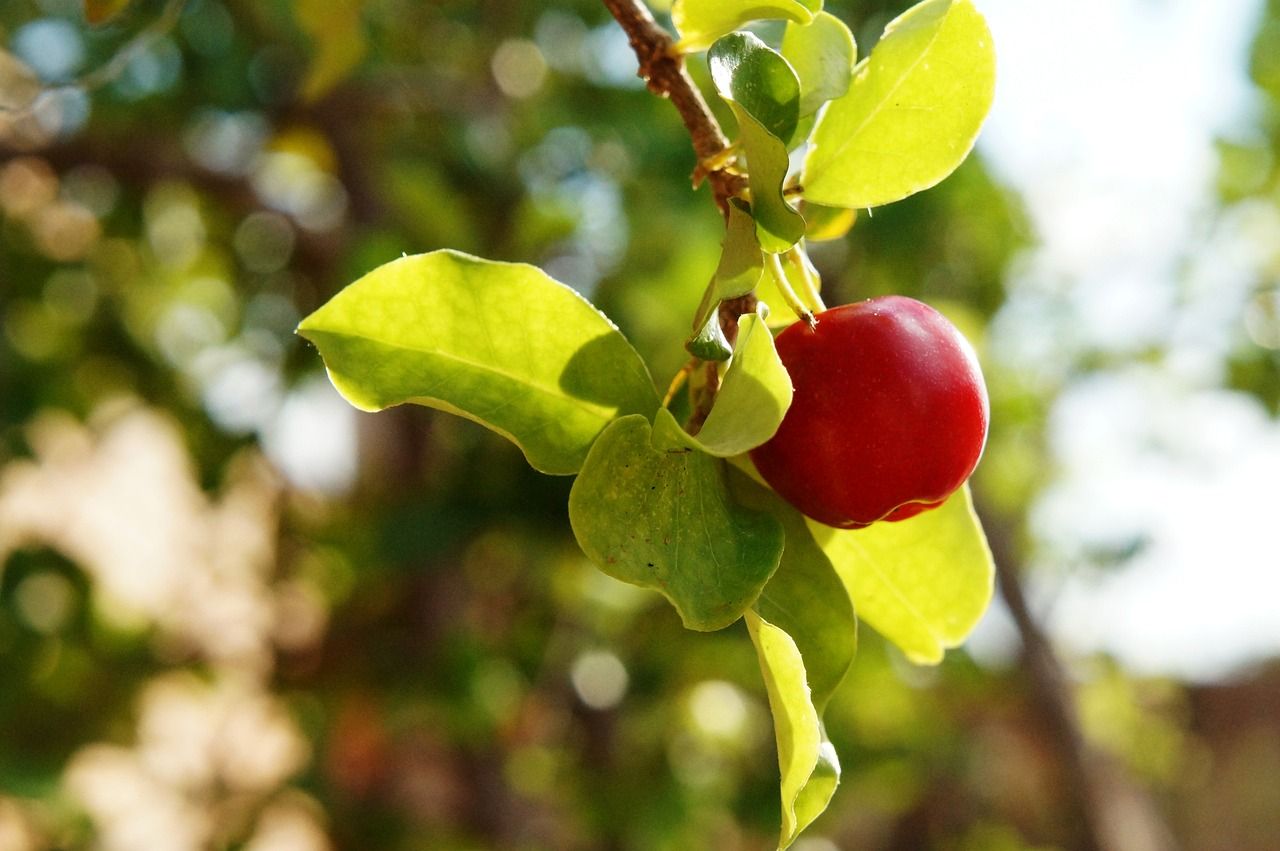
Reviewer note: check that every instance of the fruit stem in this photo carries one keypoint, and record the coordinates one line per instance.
(679, 381)
(793, 301)
(796, 257)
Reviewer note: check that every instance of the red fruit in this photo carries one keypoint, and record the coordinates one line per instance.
(889, 416)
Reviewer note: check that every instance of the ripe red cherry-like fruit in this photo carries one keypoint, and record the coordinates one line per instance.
(889, 415)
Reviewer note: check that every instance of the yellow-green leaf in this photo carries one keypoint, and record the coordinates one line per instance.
(753, 398)
(822, 53)
(499, 343)
(701, 22)
(922, 583)
(913, 111)
(809, 767)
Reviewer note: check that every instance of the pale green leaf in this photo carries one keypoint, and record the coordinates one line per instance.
(753, 397)
(499, 343)
(764, 93)
(822, 53)
(807, 762)
(737, 274)
(913, 111)
(649, 511)
(821, 787)
(922, 583)
(701, 22)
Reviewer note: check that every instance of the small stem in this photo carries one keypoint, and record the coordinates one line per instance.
(679, 381)
(808, 275)
(702, 405)
(788, 294)
(662, 67)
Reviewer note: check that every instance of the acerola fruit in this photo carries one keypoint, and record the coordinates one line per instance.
(889, 415)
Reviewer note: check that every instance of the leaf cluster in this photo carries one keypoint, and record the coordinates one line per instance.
(678, 510)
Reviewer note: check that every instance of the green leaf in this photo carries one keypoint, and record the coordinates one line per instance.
(807, 762)
(701, 22)
(822, 53)
(912, 113)
(499, 343)
(778, 225)
(753, 397)
(650, 511)
(749, 73)
(736, 275)
(922, 583)
(764, 94)
(807, 602)
(806, 597)
(709, 341)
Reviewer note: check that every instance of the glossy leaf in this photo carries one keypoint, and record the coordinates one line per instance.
(709, 341)
(922, 583)
(753, 397)
(764, 94)
(822, 53)
(739, 269)
(499, 343)
(650, 511)
(749, 73)
(701, 22)
(912, 113)
(809, 767)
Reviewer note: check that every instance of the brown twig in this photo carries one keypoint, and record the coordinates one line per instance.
(1116, 814)
(662, 68)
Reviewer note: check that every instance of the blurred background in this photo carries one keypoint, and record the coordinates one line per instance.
(235, 613)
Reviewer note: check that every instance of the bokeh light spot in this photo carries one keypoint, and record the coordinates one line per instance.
(599, 678)
(519, 68)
